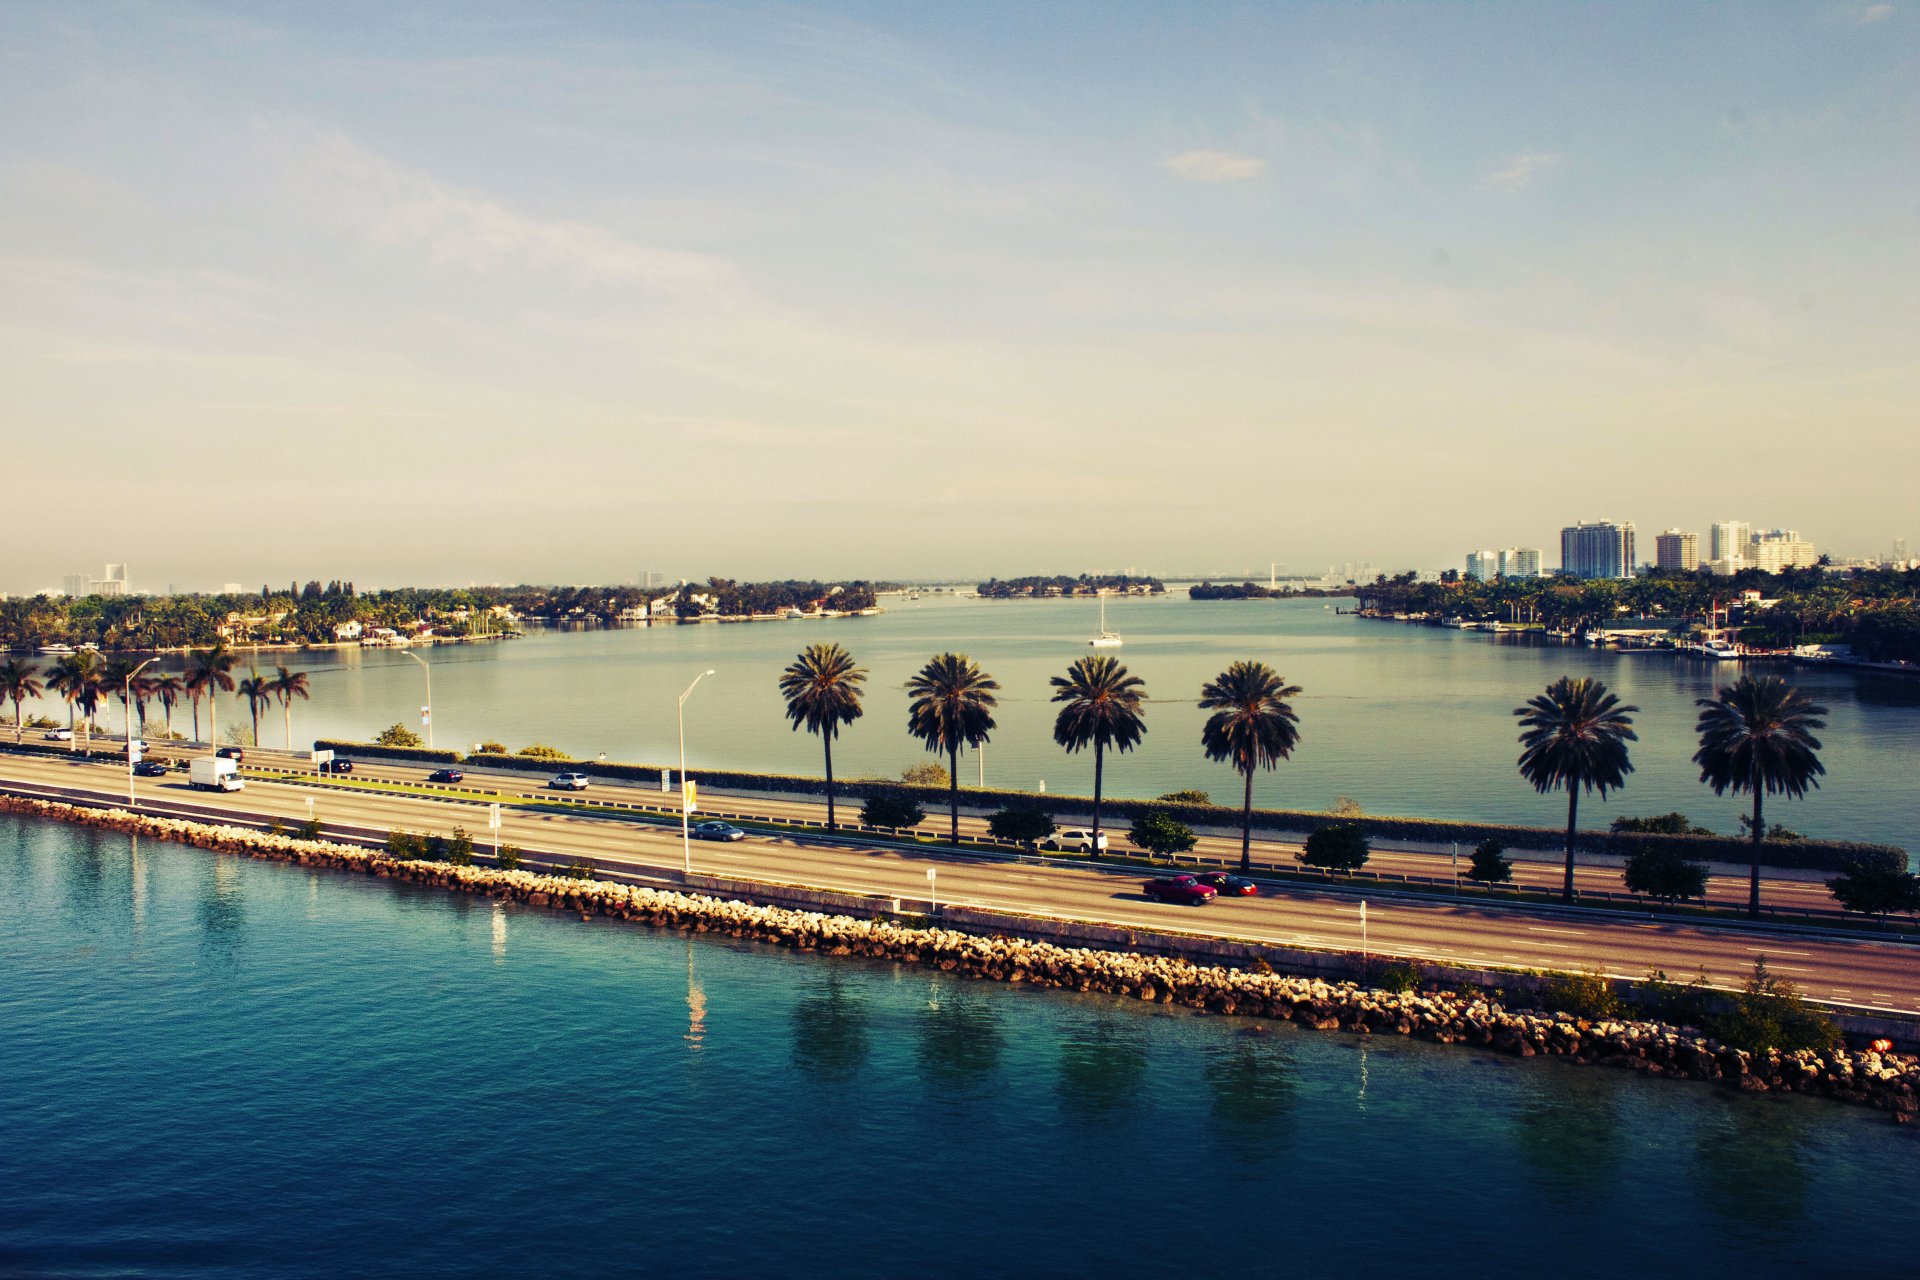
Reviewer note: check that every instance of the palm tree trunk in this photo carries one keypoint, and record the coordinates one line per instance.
(1753, 879)
(286, 711)
(196, 717)
(1246, 827)
(826, 741)
(1099, 765)
(1573, 811)
(953, 796)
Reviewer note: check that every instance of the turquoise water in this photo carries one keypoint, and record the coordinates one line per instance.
(224, 1068)
(1402, 719)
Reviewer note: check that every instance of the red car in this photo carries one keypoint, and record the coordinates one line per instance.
(1186, 890)
(1227, 885)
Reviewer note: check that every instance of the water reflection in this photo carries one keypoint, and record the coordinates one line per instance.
(137, 887)
(85, 873)
(1568, 1130)
(1251, 1083)
(960, 1038)
(696, 1006)
(830, 1024)
(1102, 1062)
(222, 911)
(1750, 1165)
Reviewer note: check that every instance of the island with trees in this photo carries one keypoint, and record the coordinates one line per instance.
(1062, 585)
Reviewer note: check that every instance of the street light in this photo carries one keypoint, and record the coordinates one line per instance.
(128, 704)
(686, 837)
(428, 709)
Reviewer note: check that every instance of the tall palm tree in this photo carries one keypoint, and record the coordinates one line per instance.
(1101, 709)
(209, 672)
(168, 689)
(1253, 726)
(77, 678)
(17, 683)
(257, 690)
(822, 689)
(116, 675)
(286, 686)
(952, 707)
(1575, 735)
(1757, 736)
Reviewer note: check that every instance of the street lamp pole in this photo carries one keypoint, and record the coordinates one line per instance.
(686, 837)
(429, 672)
(128, 704)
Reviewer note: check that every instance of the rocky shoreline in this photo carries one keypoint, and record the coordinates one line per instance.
(1887, 1081)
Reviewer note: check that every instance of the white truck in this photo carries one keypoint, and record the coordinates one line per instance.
(216, 774)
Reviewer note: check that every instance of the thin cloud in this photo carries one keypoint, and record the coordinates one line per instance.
(1875, 13)
(1522, 170)
(1214, 166)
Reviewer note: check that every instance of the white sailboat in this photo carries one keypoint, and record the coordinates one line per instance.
(1106, 639)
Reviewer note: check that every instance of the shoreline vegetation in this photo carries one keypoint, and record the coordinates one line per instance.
(1062, 586)
(1760, 1039)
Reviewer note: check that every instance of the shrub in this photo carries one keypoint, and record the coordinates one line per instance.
(926, 775)
(1682, 1004)
(578, 869)
(1666, 824)
(1021, 824)
(1158, 832)
(1490, 863)
(1665, 875)
(1346, 807)
(891, 811)
(541, 751)
(1401, 976)
(1340, 849)
(1876, 890)
(397, 735)
(1586, 995)
(1775, 832)
(310, 829)
(460, 848)
(495, 748)
(436, 848)
(1187, 797)
(404, 845)
(42, 722)
(276, 827)
(508, 859)
(1769, 1013)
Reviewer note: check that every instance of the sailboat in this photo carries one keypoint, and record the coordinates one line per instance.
(1106, 639)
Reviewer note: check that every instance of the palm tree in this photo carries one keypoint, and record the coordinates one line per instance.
(77, 678)
(258, 692)
(1102, 709)
(952, 707)
(1575, 735)
(822, 689)
(116, 675)
(17, 682)
(168, 689)
(287, 685)
(1253, 726)
(209, 672)
(1758, 736)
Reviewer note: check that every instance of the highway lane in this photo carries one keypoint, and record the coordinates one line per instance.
(1857, 972)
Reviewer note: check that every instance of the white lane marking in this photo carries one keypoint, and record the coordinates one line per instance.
(1772, 952)
(1557, 946)
(1570, 933)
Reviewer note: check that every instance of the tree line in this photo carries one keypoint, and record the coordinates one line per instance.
(85, 681)
(1061, 584)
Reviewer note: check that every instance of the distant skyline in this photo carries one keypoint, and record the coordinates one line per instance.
(515, 293)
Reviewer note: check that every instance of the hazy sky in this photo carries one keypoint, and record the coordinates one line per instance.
(553, 292)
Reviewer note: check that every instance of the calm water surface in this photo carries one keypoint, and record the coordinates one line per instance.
(1403, 719)
(217, 1067)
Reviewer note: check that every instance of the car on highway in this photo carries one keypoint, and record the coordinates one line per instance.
(59, 735)
(337, 766)
(446, 775)
(1227, 884)
(1185, 890)
(150, 769)
(1074, 840)
(571, 780)
(140, 745)
(718, 831)
(234, 754)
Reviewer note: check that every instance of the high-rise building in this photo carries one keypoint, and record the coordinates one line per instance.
(1727, 545)
(1482, 566)
(1520, 562)
(1601, 549)
(1900, 549)
(1776, 549)
(1676, 549)
(75, 585)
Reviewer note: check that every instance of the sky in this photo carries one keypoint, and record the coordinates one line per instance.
(491, 292)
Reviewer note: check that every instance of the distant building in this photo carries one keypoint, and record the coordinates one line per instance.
(1520, 562)
(1900, 550)
(76, 585)
(1601, 549)
(232, 589)
(1676, 549)
(1727, 545)
(1483, 566)
(351, 630)
(1778, 549)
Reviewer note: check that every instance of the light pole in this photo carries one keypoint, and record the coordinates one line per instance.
(686, 838)
(428, 709)
(128, 704)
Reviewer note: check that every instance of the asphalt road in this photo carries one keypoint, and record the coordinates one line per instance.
(1863, 973)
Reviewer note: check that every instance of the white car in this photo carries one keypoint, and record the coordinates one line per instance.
(573, 780)
(1074, 840)
(59, 735)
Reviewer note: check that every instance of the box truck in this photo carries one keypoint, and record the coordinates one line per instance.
(216, 774)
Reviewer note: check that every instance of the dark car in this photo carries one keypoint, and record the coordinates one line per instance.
(1228, 885)
(337, 766)
(234, 754)
(150, 769)
(446, 775)
(718, 831)
(1186, 890)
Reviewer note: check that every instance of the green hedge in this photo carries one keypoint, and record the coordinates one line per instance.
(1818, 855)
(373, 751)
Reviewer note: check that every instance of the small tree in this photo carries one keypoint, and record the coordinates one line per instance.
(1346, 807)
(578, 869)
(1341, 848)
(1160, 834)
(928, 774)
(888, 810)
(1769, 1014)
(1020, 824)
(397, 735)
(460, 848)
(493, 748)
(541, 751)
(1187, 797)
(1875, 889)
(508, 859)
(1665, 824)
(1665, 875)
(1490, 864)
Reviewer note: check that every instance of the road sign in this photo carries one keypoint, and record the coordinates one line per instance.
(323, 757)
(493, 817)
